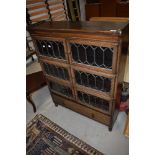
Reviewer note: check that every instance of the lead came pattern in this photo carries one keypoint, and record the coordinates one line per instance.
(56, 71)
(93, 81)
(93, 101)
(92, 55)
(64, 90)
(53, 49)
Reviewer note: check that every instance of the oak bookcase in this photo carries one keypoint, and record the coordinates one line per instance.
(80, 61)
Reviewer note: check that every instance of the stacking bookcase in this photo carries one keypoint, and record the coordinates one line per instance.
(80, 61)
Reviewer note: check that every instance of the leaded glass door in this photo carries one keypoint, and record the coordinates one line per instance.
(97, 55)
(55, 65)
(51, 48)
(92, 67)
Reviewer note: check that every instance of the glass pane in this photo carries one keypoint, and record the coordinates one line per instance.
(61, 89)
(93, 81)
(82, 54)
(53, 49)
(56, 71)
(108, 57)
(99, 56)
(93, 100)
(74, 52)
(92, 55)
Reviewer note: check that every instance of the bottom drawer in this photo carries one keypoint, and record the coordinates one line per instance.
(95, 115)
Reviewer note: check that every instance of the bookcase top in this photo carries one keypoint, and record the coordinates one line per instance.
(112, 28)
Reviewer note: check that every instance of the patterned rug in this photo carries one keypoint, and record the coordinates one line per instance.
(43, 137)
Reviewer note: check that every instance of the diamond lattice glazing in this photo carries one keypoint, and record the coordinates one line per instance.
(56, 71)
(92, 55)
(93, 101)
(93, 81)
(64, 90)
(53, 49)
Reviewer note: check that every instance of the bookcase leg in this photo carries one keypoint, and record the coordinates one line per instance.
(110, 128)
(56, 104)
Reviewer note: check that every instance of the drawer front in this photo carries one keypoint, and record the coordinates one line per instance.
(98, 116)
(93, 54)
